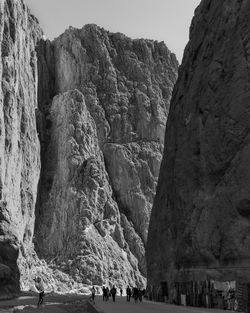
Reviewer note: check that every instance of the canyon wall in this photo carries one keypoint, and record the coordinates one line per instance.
(82, 122)
(100, 167)
(200, 223)
(20, 148)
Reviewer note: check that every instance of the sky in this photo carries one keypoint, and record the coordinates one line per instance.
(162, 20)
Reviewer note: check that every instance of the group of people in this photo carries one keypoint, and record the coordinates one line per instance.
(135, 293)
(106, 293)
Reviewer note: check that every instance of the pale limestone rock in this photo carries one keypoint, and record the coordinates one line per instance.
(80, 220)
(127, 86)
(90, 223)
(135, 242)
(20, 153)
(133, 170)
(20, 150)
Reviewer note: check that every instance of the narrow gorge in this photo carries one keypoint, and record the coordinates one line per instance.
(82, 135)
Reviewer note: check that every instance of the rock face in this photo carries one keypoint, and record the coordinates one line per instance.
(200, 218)
(82, 123)
(80, 219)
(100, 166)
(20, 148)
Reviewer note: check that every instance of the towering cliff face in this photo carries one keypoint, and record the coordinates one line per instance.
(82, 220)
(200, 216)
(20, 148)
(99, 180)
(96, 131)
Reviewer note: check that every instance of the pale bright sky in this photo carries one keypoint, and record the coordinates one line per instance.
(162, 20)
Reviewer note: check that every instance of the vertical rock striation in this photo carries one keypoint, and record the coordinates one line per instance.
(20, 149)
(200, 218)
(126, 86)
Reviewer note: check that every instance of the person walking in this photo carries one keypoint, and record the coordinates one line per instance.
(93, 294)
(40, 287)
(128, 292)
(135, 294)
(104, 293)
(107, 293)
(113, 293)
(140, 295)
(121, 291)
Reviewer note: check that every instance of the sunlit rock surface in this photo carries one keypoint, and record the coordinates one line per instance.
(82, 123)
(81, 221)
(20, 155)
(20, 148)
(200, 217)
(101, 222)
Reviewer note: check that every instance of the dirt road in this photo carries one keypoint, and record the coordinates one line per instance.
(122, 306)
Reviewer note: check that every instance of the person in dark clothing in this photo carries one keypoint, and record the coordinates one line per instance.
(113, 293)
(128, 292)
(121, 291)
(104, 293)
(93, 291)
(140, 295)
(107, 293)
(40, 287)
(135, 294)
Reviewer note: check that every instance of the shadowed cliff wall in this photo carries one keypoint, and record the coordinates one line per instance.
(200, 219)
